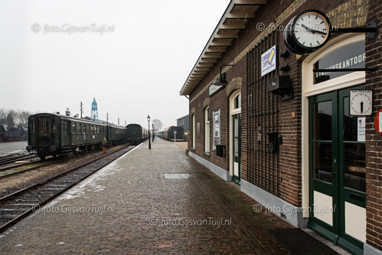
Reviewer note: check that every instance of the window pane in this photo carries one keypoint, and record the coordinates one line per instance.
(237, 102)
(350, 123)
(47, 126)
(236, 127)
(236, 147)
(323, 121)
(323, 161)
(355, 166)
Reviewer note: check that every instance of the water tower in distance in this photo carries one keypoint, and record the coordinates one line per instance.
(94, 115)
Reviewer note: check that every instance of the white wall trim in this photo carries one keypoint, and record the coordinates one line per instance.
(273, 204)
(370, 250)
(222, 173)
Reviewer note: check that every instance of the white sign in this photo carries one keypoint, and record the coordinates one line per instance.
(361, 129)
(268, 61)
(212, 89)
(216, 128)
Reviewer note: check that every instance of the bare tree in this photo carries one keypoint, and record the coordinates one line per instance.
(157, 124)
(23, 118)
(14, 118)
(3, 116)
(11, 118)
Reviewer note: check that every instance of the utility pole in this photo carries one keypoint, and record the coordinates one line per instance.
(81, 110)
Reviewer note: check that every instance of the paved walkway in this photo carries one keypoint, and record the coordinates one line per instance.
(156, 201)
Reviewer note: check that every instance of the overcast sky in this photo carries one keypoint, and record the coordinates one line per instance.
(132, 56)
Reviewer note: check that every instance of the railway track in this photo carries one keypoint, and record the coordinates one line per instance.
(9, 159)
(18, 205)
(25, 167)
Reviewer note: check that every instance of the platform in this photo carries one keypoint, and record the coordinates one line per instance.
(149, 202)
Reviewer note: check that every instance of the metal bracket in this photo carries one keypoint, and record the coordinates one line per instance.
(371, 30)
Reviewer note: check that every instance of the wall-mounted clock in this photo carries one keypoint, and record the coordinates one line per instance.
(307, 32)
(361, 102)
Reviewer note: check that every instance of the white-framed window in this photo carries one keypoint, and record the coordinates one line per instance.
(193, 131)
(207, 130)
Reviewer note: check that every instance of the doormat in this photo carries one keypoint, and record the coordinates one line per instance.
(298, 242)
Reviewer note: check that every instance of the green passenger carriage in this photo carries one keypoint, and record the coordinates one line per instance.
(54, 134)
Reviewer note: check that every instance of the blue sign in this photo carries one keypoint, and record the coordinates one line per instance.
(268, 61)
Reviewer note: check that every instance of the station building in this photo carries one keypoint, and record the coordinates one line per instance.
(296, 130)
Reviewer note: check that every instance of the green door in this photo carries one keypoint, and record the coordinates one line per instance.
(337, 168)
(236, 135)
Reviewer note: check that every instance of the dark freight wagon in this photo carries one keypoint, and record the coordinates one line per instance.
(173, 132)
(135, 134)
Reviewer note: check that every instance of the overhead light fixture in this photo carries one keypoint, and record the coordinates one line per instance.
(221, 80)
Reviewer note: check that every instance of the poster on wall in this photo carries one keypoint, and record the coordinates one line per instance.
(216, 125)
(361, 129)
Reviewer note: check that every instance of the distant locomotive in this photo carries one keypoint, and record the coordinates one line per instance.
(53, 134)
(173, 132)
(135, 134)
(12, 134)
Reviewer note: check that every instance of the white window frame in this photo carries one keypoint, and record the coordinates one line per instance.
(193, 131)
(207, 131)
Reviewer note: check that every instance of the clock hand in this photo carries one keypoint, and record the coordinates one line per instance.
(312, 30)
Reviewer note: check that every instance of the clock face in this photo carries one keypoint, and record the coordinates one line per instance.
(361, 102)
(311, 29)
(307, 32)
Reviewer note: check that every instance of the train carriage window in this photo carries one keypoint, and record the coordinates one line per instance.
(83, 128)
(47, 127)
(78, 128)
(41, 127)
(55, 126)
(63, 128)
(32, 126)
(73, 128)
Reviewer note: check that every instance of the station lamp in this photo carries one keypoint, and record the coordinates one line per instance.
(221, 80)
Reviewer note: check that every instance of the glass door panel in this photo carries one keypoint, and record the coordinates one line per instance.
(236, 135)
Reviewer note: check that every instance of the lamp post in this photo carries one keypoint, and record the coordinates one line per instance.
(148, 121)
(153, 131)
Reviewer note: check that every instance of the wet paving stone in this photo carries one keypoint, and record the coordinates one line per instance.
(129, 207)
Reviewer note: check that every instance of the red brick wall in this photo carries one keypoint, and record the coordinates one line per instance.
(342, 13)
(373, 139)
